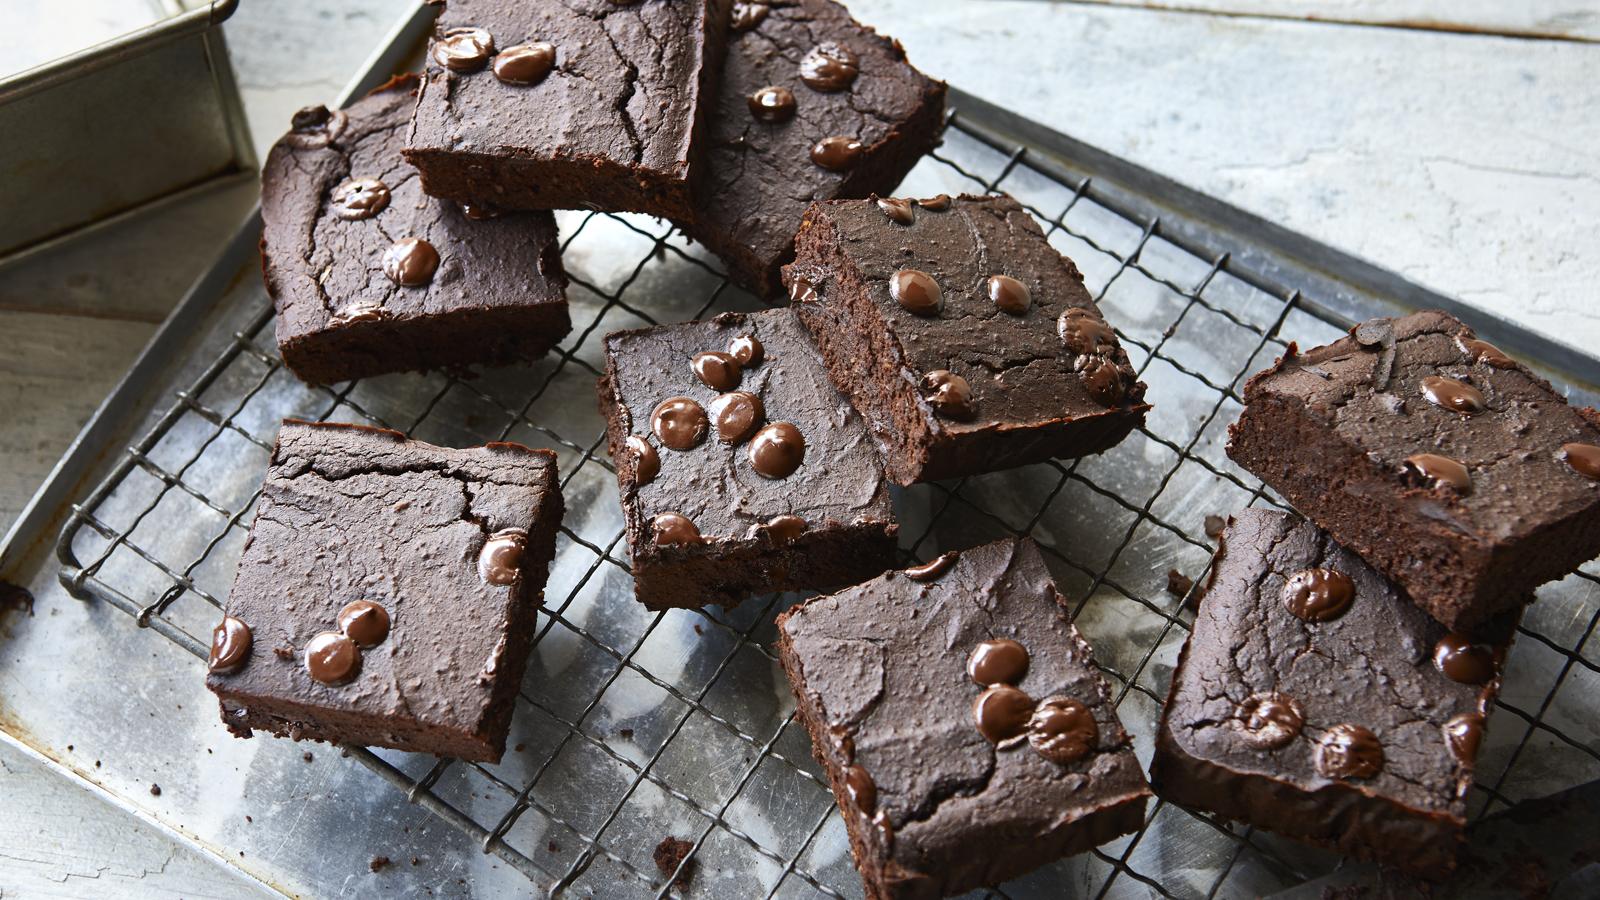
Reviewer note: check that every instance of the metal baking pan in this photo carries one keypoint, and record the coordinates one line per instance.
(108, 129)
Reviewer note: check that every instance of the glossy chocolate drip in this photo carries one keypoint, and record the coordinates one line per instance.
(332, 658)
(1009, 294)
(781, 529)
(410, 262)
(937, 203)
(747, 15)
(500, 560)
(525, 64)
(916, 292)
(1456, 396)
(829, 67)
(1101, 378)
(717, 370)
(773, 104)
(231, 641)
(737, 416)
(1463, 661)
(679, 423)
(1462, 735)
(672, 528)
(747, 349)
(463, 49)
(931, 569)
(836, 153)
(998, 661)
(1434, 470)
(777, 450)
(480, 212)
(1268, 720)
(1084, 333)
(863, 792)
(1485, 352)
(361, 198)
(365, 622)
(1062, 730)
(1583, 458)
(1349, 751)
(899, 211)
(646, 461)
(1001, 714)
(950, 394)
(1319, 595)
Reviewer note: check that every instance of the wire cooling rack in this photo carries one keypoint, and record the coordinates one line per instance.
(634, 725)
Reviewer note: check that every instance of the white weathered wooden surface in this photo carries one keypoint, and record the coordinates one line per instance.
(1566, 19)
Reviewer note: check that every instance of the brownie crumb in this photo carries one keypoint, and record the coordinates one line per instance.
(669, 853)
(416, 860)
(553, 847)
(1178, 584)
(15, 596)
(518, 748)
(155, 790)
(307, 756)
(283, 652)
(248, 820)
(698, 629)
(626, 734)
(379, 863)
(1214, 526)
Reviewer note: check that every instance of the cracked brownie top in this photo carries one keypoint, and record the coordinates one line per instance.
(960, 705)
(1307, 667)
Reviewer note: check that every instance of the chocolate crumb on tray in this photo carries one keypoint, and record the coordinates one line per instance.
(669, 855)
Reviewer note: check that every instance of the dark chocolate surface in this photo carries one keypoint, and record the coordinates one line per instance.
(917, 301)
(1332, 728)
(881, 672)
(838, 490)
(762, 175)
(495, 291)
(1341, 431)
(353, 514)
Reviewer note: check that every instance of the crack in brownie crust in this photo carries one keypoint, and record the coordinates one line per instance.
(351, 514)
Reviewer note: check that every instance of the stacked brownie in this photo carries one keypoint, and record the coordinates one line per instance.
(1341, 671)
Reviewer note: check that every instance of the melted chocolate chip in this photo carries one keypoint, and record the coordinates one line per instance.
(500, 560)
(777, 450)
(410, 262)
(747, 350)
(1463, 661)
(646, 461)
(1101, 378)
(316, 126)
(931, 569)
(836, 153)
(1062, 730)
(916, 292)
(747, 15)
(1485, 352)
(230, 646)
(780, 529)
(1001, 714)
(1319, 595)
(772, 104)
(365, 622)
(899, 211)
(525, 64)
(802, 291)
(463, 49)
(1083, 332)
(1456, 396)
(360, 311)
(1462, 735)
(1349, 751)
(1009, 294)
(951, 395)
(718, 371)
(1434, 470)
(939, 203)
(480, 212)
(737, 416)
(332, 658)
(362, 198)
(998, 661)
(672, 528)
(829, 67)
(679, 423)
(863, 791)
(1268, 720)
(1583, 458)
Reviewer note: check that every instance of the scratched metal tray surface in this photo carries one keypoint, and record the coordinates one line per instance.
(633, 725)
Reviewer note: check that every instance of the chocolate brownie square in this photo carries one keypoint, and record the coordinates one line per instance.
(1444, 463)
(966, 341)
(370, 275)
(562, 105)
(812, 105)
(1314, 700)
(741, 469)
(386, 593)
(966, 731)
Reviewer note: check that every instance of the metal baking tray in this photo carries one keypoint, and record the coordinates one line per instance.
(165, 90)
(634, 725)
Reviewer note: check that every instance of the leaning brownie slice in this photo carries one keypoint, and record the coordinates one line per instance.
(1313, 699)
(741, 469)
(966, 731)
(968, 343)
(371, 276)
(812, 105)
(563, 105)
(1445, 464)
(386, 594)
